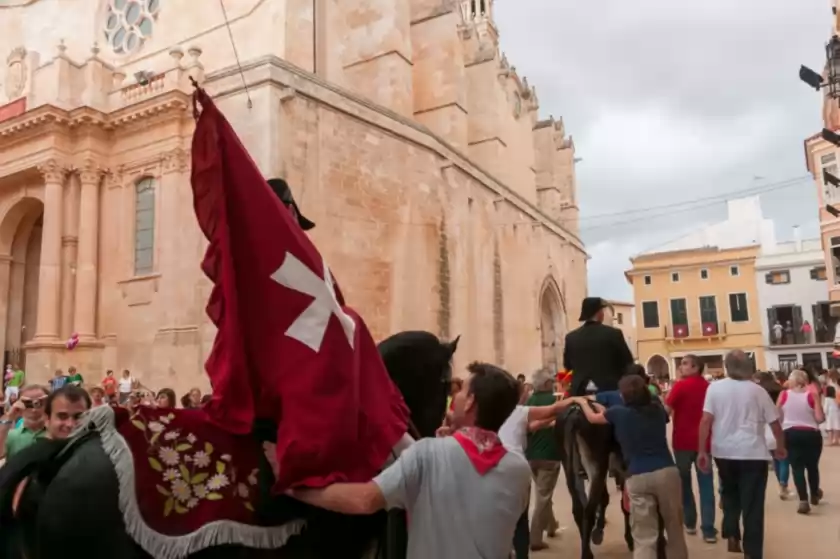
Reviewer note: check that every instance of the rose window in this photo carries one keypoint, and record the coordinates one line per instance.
(129, 23)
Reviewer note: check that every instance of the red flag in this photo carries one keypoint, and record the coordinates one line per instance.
(287, 348)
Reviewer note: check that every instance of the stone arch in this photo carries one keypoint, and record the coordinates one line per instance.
(20, 257)
(552, 324)
(16, 212)
(658, 367)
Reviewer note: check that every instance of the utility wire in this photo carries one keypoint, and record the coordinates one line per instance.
(689, 206)
(723, 197)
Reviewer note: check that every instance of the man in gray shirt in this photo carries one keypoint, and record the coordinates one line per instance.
(463, 494)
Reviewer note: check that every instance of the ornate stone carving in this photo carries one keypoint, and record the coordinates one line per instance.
(116, 178)
(175, 161)
(53, 170)
(16, 72)
(90, 171)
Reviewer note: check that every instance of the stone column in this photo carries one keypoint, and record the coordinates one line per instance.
(5, 280)
(86, 257)
(69, 246)
(49, 277)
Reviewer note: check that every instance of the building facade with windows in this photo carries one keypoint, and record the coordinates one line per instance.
(622, 315)
(822, 156)
(796, 323)
(443, 202)
(698, 294)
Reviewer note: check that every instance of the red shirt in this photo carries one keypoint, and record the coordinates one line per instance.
(110, 385)
(686, 399)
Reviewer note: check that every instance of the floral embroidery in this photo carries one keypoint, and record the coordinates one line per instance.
(200, 459)
(189, 474)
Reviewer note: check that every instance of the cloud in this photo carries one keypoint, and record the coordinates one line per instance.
(670, 102)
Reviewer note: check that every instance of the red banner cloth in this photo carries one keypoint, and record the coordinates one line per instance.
(287, 347)
(188, 472)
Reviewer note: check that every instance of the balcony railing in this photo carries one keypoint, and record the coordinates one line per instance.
(790, 338)
(711, 330)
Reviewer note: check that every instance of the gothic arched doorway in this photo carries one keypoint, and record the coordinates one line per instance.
(657, 367)
(552, 325)
(20, 262)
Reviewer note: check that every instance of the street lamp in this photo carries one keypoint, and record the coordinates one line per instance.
(831, 137)
(832, 81)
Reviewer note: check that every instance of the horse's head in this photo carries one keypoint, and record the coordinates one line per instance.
(420, 364)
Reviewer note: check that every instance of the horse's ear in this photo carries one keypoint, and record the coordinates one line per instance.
(453, 345)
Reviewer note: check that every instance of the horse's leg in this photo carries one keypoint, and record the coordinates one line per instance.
(601, 520)
(577, 491)
(661, 542)
(598, 498)
(596, 470)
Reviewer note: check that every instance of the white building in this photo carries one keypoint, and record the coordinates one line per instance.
(745, 225)
(793, 293)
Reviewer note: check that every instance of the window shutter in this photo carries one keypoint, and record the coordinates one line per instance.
(813, 273)
(768, 277)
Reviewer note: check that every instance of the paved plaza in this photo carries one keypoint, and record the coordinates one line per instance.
(787, 535)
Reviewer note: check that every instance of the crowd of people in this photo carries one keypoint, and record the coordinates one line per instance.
(32, 411)
(497, 445)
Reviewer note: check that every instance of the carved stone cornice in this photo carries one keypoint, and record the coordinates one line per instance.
(49, 118)
(53, 170)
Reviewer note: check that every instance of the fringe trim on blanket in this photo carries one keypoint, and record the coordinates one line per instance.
(161, 546)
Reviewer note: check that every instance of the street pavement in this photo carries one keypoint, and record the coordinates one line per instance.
(787, 535)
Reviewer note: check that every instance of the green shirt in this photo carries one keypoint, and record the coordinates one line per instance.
(17, 379)
(20, 438)
(542, 444)
(77, 378)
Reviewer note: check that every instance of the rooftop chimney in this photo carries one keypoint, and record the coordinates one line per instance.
(797, 238)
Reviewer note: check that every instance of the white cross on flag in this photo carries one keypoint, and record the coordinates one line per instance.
(287, 348)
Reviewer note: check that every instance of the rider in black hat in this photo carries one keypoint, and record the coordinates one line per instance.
(282, 190)
(596, 354)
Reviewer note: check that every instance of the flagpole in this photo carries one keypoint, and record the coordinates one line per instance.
(236, 53)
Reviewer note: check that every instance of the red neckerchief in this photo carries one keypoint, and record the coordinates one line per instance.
(483, 448)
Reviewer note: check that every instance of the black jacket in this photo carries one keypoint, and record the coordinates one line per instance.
(598, 353)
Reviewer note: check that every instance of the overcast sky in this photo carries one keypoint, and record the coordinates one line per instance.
(671, 101)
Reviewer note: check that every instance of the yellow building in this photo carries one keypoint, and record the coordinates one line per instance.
(698, 294)
(622, 315)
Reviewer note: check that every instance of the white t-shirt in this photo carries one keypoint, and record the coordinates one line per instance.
(453, 512)
(742, 410)
(126, 384)
(514, 431)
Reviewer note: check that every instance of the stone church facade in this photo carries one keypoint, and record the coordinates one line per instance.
(442, 202)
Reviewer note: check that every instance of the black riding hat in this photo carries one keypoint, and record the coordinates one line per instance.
(590, 306)
(282, 190)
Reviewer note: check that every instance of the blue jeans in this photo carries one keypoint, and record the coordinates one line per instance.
(706, 488)
(782, 469)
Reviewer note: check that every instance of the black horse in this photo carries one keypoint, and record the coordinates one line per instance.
(594, 449)
(71, 501)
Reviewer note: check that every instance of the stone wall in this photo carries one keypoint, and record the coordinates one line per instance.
(441, 202)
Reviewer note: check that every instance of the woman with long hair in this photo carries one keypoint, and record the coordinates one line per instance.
(802, 414)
